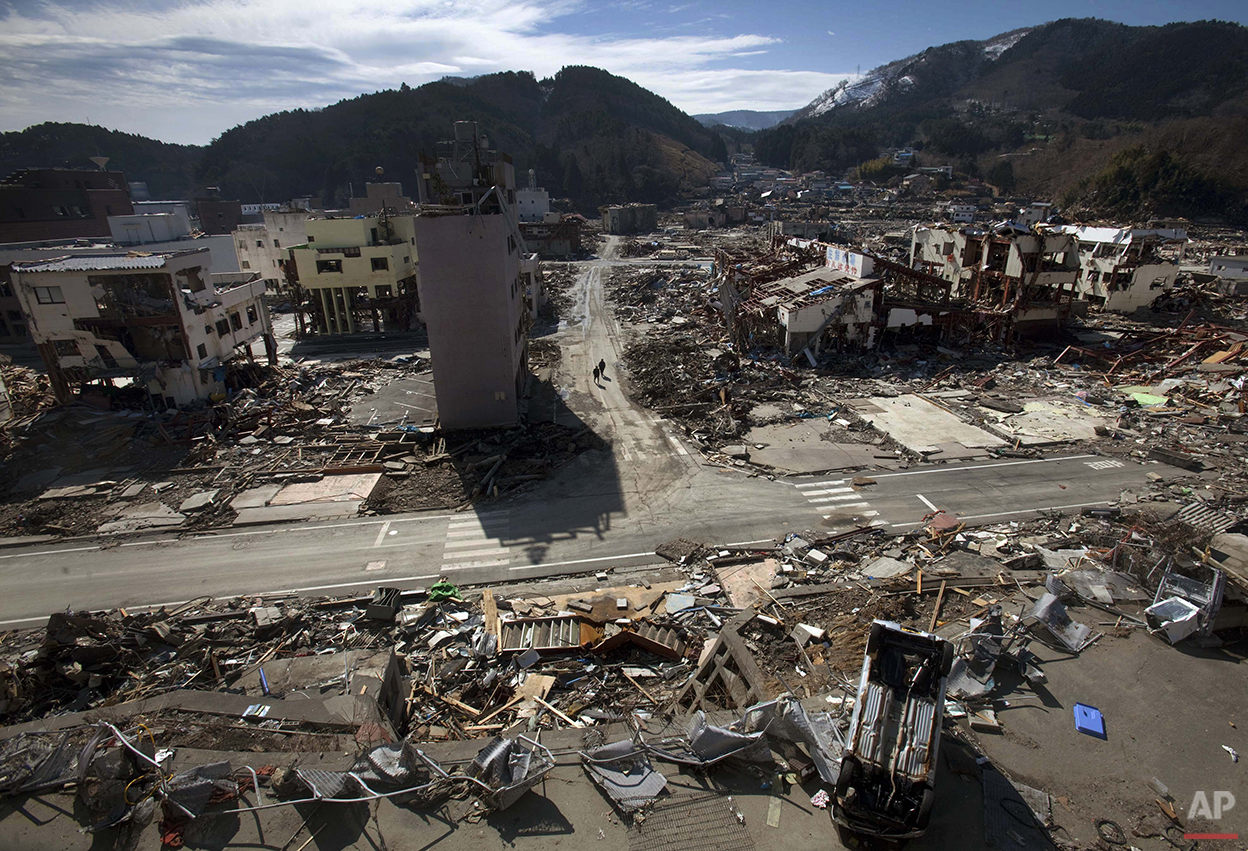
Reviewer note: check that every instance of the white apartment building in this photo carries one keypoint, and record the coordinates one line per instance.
(263, 247)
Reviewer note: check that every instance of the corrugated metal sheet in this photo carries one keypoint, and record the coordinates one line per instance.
(97, 264)
(1203, 517)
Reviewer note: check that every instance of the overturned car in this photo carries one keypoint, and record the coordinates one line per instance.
(885, 785)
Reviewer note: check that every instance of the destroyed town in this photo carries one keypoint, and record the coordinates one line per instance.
(532, 459)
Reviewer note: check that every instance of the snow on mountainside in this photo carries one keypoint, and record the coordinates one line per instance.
(897, 76)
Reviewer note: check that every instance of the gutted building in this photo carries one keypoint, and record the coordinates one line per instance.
(1124, 269)
(1018, 280)
(153, 319)
(630, 218)
(802, 297)
(356, 275)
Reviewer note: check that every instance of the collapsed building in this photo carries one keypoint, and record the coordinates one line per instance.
(155, 320)
(801, 297)
(1018, 280)
(1124, 269)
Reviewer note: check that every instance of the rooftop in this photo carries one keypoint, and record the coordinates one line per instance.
(103, 263)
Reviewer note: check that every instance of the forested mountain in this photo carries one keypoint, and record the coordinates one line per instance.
(168, 169)
(591, 136)
(1076, 108)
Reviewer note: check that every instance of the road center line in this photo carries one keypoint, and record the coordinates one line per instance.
(1020, 511)
(381, 534)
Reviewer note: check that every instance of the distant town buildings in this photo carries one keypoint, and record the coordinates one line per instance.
(60, 203)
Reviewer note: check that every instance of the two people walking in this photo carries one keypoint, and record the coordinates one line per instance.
(600, 370)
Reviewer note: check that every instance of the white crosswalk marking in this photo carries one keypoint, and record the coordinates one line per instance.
(477, 542)
(835, 497)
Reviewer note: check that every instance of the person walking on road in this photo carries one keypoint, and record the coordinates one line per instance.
(595, 375)
(602, 367)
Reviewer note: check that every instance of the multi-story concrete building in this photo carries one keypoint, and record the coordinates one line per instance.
(217, 215)
(630, 219)
(1124, 269)
(60, 203)
(532, 202)
(1027, 280)
(472, 298)
(359, 273)
(265, 247)
(155, 319)
(381, 196)
(141, 228)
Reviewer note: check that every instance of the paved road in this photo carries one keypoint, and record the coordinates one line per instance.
(979, 493)
(605, 509)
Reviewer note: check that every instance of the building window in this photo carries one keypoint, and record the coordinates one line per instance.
(49, 295)
(242, 245)
(6, 289)
(251, 314)
(350, 252)
(325, 266)
(207, 330)
(259, 243)
(246, 264)
(383, 291)
(381, 264)
(202, 351)
(511, 245)
(311, 238)
(235, 322)
(15, 316)
(66, 348)
(276, 244)
(223, 327)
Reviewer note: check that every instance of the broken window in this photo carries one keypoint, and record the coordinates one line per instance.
(235, 322)
(383, 291)
(381, 264)
(223, 327)
(6, 289)
(202, 351)
(49, 295)
(326, 266)
(353, 251)
(246, 264)
(66, 348)
(251, 314)
(125, 296)
(276, 244)
(242, 245)
(15, 315)
(106, 356)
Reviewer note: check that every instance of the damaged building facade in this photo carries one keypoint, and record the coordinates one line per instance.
(1124, 269)
(803, 297)
(356, 275)
(154, 319)
(630, 218)
(1019, 281)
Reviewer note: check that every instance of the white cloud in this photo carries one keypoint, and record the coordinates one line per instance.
(187, 72)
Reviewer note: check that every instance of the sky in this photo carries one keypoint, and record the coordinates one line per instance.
(187, 70)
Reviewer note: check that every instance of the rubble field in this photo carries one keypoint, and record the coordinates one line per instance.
(727, 657)
(305, 441)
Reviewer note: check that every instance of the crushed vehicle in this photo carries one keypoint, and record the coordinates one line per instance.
(885, 785)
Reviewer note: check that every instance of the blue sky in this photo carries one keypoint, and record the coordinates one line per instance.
(186, 70)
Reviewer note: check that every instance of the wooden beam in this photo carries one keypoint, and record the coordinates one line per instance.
(940, 598)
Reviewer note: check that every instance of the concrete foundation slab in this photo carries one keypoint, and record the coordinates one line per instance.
(798, 447)
(296, 513)
(347, 487)
(149, 515)
(255, 497)
(917, 423)
(1052, 421)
